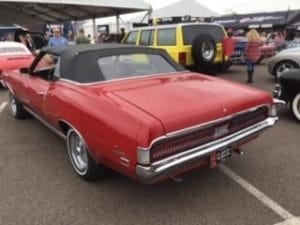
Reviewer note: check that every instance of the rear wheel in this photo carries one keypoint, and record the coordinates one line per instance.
(82, 162)
(283, 67)
(296, 106)
(16, 108)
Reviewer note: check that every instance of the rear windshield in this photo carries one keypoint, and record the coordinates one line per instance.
(133, 65)
(5, 32)
(191, 31)
(12, 50)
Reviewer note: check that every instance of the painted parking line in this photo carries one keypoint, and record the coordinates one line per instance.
(275, 207)
(294, 221)
(2, 107)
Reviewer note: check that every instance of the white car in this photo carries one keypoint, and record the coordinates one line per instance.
(284, 61)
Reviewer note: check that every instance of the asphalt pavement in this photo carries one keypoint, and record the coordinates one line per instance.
(38, 185)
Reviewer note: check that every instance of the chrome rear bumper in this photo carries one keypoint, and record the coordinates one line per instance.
(167, 167)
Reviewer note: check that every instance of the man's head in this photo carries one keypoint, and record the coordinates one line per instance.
(81, 31)
(56, 32)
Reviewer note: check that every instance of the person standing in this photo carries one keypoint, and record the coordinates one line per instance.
(57, 40)
(122, 35)
(252, 52)
(81, 38)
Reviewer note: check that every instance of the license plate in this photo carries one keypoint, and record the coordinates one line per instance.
(223, 155)
(219, 156)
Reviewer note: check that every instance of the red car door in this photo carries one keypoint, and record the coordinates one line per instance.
(37, 90)
(39, 83)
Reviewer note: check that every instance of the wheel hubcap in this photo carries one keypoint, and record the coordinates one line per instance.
(78, 153)
(13, 105)
(284, 68)
(208, 50)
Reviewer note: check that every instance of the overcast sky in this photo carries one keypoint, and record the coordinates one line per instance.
(239, 6)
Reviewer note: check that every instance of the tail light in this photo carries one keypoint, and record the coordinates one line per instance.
(174, 145)
(182, 58)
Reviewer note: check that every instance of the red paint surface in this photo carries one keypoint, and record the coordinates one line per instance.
(126, 114)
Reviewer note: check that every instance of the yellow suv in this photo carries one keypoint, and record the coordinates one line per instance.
(190, 44)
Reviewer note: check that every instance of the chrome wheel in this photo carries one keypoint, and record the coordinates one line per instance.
(208, 50)
(296, 106)
(13, 105)
(16, 107)
(77, 152)
(284, 67)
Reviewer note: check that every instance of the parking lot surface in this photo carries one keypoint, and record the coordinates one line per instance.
(38, 186)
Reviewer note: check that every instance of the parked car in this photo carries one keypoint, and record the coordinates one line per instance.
(284, 61)
(288, 90)
(14, 32)
(13, 56)
(266, 51)
(192, 45)
(137, 111)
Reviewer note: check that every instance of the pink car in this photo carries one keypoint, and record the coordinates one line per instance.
(13, 56)
(266, 50)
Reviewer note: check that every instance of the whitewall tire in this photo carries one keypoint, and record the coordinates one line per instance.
(296, 106)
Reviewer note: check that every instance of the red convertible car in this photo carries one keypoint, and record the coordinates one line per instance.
(13, 56)
(136, 111)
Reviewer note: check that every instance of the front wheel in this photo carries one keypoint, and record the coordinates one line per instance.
(16, 107)
(82, 162)
(296, 106)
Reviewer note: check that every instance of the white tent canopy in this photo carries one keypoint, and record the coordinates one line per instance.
(53, 11)
(182, 8)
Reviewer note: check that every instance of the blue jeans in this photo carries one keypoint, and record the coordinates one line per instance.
(250, 66)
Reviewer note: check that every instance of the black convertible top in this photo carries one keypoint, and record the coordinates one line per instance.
(79, 62)
(77, 49)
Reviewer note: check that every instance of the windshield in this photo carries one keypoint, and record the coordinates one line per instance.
(132, 65)
(6, 33)
(13, 50)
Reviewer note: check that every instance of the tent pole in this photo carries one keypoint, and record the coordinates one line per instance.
(117, 23)
(94, 27)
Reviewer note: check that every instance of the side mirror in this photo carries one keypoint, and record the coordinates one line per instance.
(24, 70)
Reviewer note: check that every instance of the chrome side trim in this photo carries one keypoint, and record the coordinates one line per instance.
(202, 126)
(58, 132)
(166, 167)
